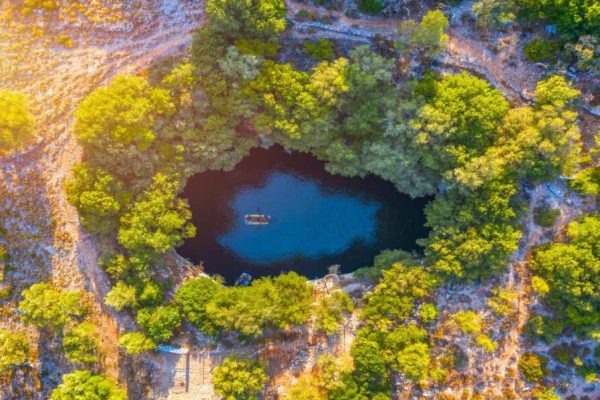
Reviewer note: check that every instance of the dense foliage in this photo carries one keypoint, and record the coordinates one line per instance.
(14, 350)
(16, 124)
(572, 270)
(238, 379)
(87, 385)
(44, 306)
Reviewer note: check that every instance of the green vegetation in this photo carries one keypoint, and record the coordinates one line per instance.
(428, 36)
(545, 216)
(192, 298)
(44, 306)
(238, 379)
(330, 310)
(159, 323)
(279, 302)
(80, 344)
(16, 124)
(257, 19)
(572, 271)
(532, 366)
(135, 343)
(469, 322)
(541, 50)
(86, 385)
(371, 6)
(319, 50)
(14, 350)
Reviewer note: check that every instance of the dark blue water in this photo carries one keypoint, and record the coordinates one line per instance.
(317, 219)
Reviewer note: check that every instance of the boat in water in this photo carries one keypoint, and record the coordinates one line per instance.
(257, 219)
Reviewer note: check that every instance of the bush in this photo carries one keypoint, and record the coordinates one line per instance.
(545, 216)
(533, 366)
(319, 50)
(237, 379)
(81, 344)
(14, 350)
(135, 343)
(486, 343)
(160, 322)
(541, 50)
(371, 6)
(469, 322)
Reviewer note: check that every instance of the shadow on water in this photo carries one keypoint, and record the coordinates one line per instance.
(318, 219)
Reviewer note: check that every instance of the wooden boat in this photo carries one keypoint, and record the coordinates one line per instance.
(257, 219)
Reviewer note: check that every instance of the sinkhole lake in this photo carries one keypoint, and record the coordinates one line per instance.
(317, 219)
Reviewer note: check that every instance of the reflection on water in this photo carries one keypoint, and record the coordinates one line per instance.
(317, 219)
(306, 222)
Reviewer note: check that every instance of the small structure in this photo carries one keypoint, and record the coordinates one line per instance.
(244, 280)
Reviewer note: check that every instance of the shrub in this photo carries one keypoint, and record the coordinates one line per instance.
(428, 312)
(160, 322)
(486, 343)
(14, 350)
(469, 322)
(81, 343)
(533, 366)
(541, 50)
(319, 50)
(238, 379)
(135, 343)
(545, 216)
(371, 6)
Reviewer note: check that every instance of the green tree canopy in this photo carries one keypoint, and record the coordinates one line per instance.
(87, 385)
(238, 379)
(251, 19)
(118, 124)
(428, 36)
(158, 220)
(330, 310)
(135, 343)
(159, 323)
(16, 124)
(14, 350)
(98, 197)
(44, 306)
(81, 344)
(192, 298)
(572, 270)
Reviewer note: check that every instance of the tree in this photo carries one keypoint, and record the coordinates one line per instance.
(238, 379)
(394, 298)
(486, 343)
(121, 296)
(16, 124)
(159, 323)
(267, 303)
(117, 125)
(532, 366)
(44, 306)
(572, 272)
(192, 298)
(158, 220)
(14, 350)
(429, 36)
(458, 123)
(414, 360)
(469, 322)
(81, 344)
(98, 197)
(330, 311)
(135, 343)
(428, 312)
(86, 385)
(292, 304)
(492, 14)
(247, 19)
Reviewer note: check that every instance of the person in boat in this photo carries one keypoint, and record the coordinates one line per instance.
(257, 219)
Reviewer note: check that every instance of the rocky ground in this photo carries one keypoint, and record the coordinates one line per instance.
(125, 36)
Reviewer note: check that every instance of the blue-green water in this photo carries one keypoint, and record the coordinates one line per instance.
(306, 221)
(317, 219)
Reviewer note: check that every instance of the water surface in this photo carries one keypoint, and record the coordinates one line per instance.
(317, 219)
